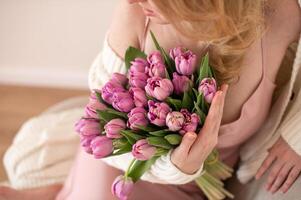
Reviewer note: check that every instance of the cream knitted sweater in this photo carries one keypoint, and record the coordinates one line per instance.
(31, 164)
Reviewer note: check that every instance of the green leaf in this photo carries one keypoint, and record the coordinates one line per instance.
(200, 113)
(173, 139)
(129, 138)
(195, 92)
(159, 142)
(139, 167)
(106, 116)
(148, 128)
(132, 134)
(132, 53)
(125, 149)
(119, 142)
(160, 132)
(169, 62)
(176, 103)
(205, 70)
(161, 151)
(187, 101)
(115, 112)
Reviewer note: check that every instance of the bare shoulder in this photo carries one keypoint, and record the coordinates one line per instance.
(126, 27)
(284, 19)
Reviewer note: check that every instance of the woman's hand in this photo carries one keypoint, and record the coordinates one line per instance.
(194, 149)
(286, 167)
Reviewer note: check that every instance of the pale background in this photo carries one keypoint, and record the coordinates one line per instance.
(51, 43)
(46, 49)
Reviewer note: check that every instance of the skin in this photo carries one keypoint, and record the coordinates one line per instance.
(284, 28)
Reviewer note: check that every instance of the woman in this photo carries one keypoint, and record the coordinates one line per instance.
(247, 42)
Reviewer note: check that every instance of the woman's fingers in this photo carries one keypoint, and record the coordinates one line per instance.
(265, 165)
(282, 175)
(186, 143)
(293, 175)
(274, 173)
(208, 134)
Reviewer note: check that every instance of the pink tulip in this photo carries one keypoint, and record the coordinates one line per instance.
(139, 96)
(101, 146)
(113, 128)
(109, 89)
(142, 150)
(119, 78)
(157, 112)
(155, 57)
(123, 101)
(122, 187)
(159, 88)
(177, 51)
(191, 122)
(85, 142)
(93, 106)
(137, 117)
(185, 60)
(157, 69)
(88, 127)
(138, 65)
(181, 83)
(175, 121)
(208, 87)
(137, 73)
(138, 80)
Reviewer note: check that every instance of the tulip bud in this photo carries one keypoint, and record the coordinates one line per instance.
(109, 89)
(137, 73)
(208, 87)
(191, 122)
(119, 78)
(175, 121)
(113, 128)
(139, 96)
(155, 57)
(123, 101)
(142, 150)
(122, 187)
(88, 127)
(137, 117)
(157, 112)
(180, 83)
(101, 146)
(185, 61)
(175, 52)
(85, 142)
(93, 106)
(159, 88)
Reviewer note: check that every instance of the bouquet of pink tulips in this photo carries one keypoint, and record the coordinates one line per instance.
(148, 110)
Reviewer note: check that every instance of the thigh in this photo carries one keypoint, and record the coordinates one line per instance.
(255, 190)
(89, 178)
(150, 191)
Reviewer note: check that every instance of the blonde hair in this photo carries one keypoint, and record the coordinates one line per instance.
(229, 27)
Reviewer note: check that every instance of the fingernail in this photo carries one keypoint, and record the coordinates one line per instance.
(191, 135)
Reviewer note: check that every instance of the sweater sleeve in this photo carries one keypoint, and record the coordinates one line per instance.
(291, 132)
(162, 171)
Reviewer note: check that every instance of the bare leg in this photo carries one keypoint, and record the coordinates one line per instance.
(90, 179)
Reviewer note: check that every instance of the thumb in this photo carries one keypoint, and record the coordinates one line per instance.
(186, 143)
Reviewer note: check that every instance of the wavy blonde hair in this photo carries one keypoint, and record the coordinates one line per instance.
(229, 27)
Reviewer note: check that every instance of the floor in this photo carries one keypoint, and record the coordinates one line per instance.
(18, 103)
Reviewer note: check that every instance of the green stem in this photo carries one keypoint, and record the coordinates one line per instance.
(129, 167)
